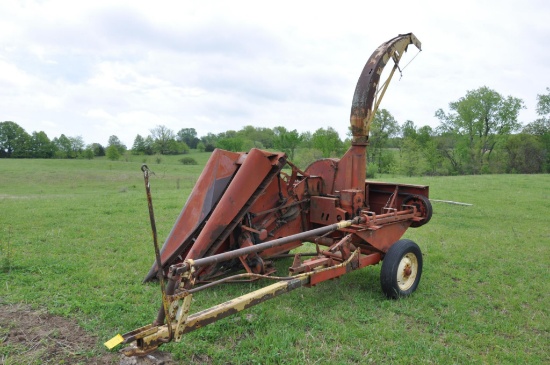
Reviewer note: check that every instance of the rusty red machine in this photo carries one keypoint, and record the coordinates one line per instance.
(248, 208)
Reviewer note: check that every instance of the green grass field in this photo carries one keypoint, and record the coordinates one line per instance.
(75, 239)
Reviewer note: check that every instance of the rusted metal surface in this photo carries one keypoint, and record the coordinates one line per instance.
(211, 184)
(160, 276)
(247, 208)
(369, 92)
(253, 176)
(326, 210)
(226, 256)
(149, 338)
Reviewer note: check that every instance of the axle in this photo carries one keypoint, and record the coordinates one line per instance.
(226, 256)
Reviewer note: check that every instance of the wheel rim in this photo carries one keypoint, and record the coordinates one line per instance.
(407, 271)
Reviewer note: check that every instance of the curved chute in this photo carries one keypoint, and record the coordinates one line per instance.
(368, 94)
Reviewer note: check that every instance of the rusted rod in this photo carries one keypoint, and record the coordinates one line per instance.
(161, 315)
(214, 259)
(279, 208)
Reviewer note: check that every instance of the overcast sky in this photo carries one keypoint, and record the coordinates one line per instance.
(101, 68)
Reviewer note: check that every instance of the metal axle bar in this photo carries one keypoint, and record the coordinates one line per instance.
(214, 259)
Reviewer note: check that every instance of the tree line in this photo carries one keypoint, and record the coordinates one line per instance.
(479, 133)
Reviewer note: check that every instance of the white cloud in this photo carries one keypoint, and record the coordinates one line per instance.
(11, 77)
(101, 68)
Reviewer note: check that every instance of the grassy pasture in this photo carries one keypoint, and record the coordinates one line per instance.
(75, 239)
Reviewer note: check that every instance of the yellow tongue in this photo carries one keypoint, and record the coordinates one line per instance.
(114, 341)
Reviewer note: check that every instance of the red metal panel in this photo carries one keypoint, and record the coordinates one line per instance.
(352, 169)
(349, 172)
(326, 275)
(325, 210)
(230, 208)
(385, 236)
(352, 201)
(212, 182)
(379, 193)
(326, 169)
(290, 228)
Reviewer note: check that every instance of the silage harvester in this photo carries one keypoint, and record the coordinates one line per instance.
(247, 209)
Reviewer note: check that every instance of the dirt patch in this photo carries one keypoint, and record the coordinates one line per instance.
(35, 337)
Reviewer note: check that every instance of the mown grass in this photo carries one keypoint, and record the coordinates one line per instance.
(79, 245)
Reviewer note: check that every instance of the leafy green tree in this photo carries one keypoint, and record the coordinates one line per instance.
(23, 147)
(483, 117)
(64, 146)
(177, 148)
(454, 150)
(68, 147)
(228, 134)
(287, 141)
(384, 126)
(260, 137)
(543, 104)
(14, 140)
(234, 141)
(88, 153)
(235, 144)
(425, 134)
(541, 127)
(164, 139)
(139, 146)
(418, 150)
(266, 136)
(97, 149)
(327, 141)
(77, 146)
(115, 141)
(306, 139)
(113, 153)
(149, 145)
(408, 130)
(307, 156)
(41, 146)
(209, 141)
(188, 136)
(201, 147)
(411, 157)
(526, 154)
(432, 156)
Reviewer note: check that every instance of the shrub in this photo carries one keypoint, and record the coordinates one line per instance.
(371, 170)
(112, 153)
(201, 147)
(88, 153)
(303, 157)
(188, 161)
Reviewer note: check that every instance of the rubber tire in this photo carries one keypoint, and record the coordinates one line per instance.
(401, 250)
(422, 204)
